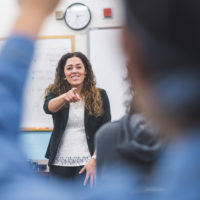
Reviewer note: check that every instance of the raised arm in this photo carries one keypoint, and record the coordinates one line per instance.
(15, 59)
(32, 15)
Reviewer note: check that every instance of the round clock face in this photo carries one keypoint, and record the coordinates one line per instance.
(77, 16)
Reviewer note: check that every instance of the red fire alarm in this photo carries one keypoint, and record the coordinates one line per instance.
(107, 12)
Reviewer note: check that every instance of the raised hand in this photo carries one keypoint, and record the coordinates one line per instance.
(43, 6)
(32, 14)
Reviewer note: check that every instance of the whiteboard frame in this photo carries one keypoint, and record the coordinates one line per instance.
(60, 37)
(72, 37)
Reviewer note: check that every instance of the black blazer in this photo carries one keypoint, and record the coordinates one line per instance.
(60, 118)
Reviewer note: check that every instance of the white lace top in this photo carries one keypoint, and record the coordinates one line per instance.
(73, 149)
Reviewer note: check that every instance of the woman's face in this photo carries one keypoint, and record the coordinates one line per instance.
(74, 71)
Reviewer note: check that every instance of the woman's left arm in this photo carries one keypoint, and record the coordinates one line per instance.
(90, 169)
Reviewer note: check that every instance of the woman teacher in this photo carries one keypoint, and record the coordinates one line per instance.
(78, 109)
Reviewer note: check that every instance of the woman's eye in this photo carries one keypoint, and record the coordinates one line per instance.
(78, 67)
(69, 68)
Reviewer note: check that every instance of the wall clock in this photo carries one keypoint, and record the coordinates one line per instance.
(77, 16)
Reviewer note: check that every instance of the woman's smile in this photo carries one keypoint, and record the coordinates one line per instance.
(75, 77)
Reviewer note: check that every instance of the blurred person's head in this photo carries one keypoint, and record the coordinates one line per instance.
(162, 44)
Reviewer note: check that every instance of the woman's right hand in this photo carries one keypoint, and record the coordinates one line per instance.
(72, 96)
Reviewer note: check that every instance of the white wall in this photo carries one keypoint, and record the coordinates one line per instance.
(9, 10)
(35, 144)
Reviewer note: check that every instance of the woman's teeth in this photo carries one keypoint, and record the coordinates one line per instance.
(74, 77)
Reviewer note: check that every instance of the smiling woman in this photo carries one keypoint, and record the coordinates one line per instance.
(78, 109)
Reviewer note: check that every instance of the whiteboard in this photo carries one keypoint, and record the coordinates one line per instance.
(108, 64)
(48, 52)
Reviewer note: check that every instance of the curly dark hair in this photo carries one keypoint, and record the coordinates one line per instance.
(90, 93)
